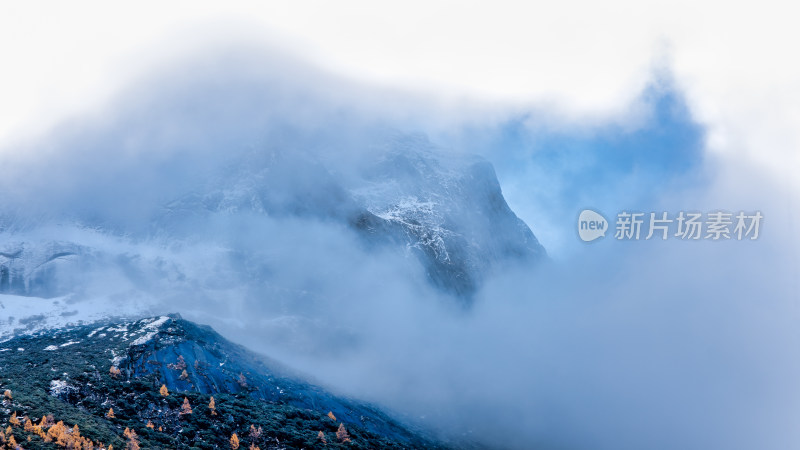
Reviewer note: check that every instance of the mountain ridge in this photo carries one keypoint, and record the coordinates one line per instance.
(70, 372)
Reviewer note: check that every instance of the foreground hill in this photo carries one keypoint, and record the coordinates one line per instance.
(156, 377)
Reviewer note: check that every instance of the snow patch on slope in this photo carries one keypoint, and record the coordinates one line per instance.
(151, 330)
(30, 315)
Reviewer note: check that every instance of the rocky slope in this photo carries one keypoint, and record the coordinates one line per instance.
(70, 374)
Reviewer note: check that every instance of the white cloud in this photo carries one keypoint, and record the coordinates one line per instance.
(580, 58)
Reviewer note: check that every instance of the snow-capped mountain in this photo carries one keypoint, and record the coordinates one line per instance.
(449, 209)
(443, 209)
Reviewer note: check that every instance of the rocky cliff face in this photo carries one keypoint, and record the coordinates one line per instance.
(34, 268)
(447, 209)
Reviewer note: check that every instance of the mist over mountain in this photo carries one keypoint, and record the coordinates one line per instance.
(443, 210)
(282, 153)
(344, 231)
(270, 234)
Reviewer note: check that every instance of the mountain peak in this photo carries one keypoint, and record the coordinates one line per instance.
(445, 208)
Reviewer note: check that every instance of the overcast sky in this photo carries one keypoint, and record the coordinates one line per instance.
(583, 59)
(584, 63)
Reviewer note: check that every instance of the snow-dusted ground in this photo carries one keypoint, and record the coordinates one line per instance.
(126, 334)
(25, 315)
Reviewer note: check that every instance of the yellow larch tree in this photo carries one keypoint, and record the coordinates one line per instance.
(234, 441)
(164, 391)
(58, 433)
(342, 434)
(186, 408)
(212, 406)
(133, 439)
